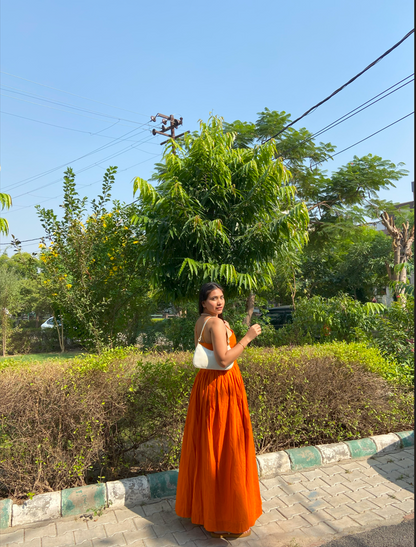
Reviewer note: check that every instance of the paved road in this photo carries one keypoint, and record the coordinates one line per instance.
(400, 535)
(300, 509)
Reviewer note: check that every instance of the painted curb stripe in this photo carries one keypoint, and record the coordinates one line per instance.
(76, 501)
(407, 438)
(163, 484)
(362, 448)
(302, 458)
(5, 513)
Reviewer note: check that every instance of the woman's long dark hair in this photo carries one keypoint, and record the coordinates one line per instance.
(204, 293)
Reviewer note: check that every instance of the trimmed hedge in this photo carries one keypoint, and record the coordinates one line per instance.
(64, 424)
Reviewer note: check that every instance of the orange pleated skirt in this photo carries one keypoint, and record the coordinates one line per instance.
(218, 485)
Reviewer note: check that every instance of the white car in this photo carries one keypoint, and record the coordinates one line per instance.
(49, 323)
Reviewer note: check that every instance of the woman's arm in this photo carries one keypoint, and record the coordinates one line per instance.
(223, 355)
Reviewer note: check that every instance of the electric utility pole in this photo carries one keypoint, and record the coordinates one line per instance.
(173, 124)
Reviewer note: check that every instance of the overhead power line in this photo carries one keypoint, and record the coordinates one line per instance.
(22, 241)
(74, 94)
(58, 126)
(354, 112)
(122, 138)
(372, 134)
(91, 133)
(60, 103)
(132, 146)
(343, 86)
(30, 192)
(368, 137)
(364, 106)
(60, 195)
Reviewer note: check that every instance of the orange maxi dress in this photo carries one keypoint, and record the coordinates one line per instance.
(218, 485)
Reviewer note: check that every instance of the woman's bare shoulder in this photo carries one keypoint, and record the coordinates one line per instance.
(216, 324)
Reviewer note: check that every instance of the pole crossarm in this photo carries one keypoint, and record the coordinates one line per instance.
(174, 124)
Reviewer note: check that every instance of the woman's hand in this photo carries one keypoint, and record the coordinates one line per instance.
(253, 332)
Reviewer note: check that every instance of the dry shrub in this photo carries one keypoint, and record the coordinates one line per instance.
(309, 400)
(66, 425)
(54, 427)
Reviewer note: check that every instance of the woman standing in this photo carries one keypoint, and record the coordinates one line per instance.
(218, 484)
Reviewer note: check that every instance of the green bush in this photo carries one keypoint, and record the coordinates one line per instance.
(35, 340)
(371, 358)
(64, 424)
(393, 333)
(322, 320)
(326, 319)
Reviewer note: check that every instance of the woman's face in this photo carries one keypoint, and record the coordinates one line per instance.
(214, 304)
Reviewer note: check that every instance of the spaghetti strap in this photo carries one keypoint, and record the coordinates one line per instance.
(203, 327)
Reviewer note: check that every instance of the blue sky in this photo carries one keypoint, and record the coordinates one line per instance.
(106, 67)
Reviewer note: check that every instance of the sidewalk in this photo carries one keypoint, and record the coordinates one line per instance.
(300, 509)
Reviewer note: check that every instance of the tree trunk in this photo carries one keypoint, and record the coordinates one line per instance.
(293, 291)
(4, 329)
(60, 330)
(249, 309)
(402, 247)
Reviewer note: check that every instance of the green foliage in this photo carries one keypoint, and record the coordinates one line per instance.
(339, 256)
(341, 318)
(357, 184)
(338, 201)
(353, 263)
(320, 319)
(393, 334)
(5, 203)
(217, 213)
(90, 269)
(295, 146)
(35, 340)
(32, 295)
(370, 357)
(30, 359)
(10, 299)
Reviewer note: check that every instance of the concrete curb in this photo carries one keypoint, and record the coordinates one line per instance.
(145, 488)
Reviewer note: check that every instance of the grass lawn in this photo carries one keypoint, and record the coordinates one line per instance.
(40, 357)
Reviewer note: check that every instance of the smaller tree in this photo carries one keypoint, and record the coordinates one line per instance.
(10, 299)
(27, 268)
(98, 293)
(403, 238)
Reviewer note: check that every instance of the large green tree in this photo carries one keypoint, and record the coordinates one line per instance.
(338, 205)
(218, 213)
(339, 201)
